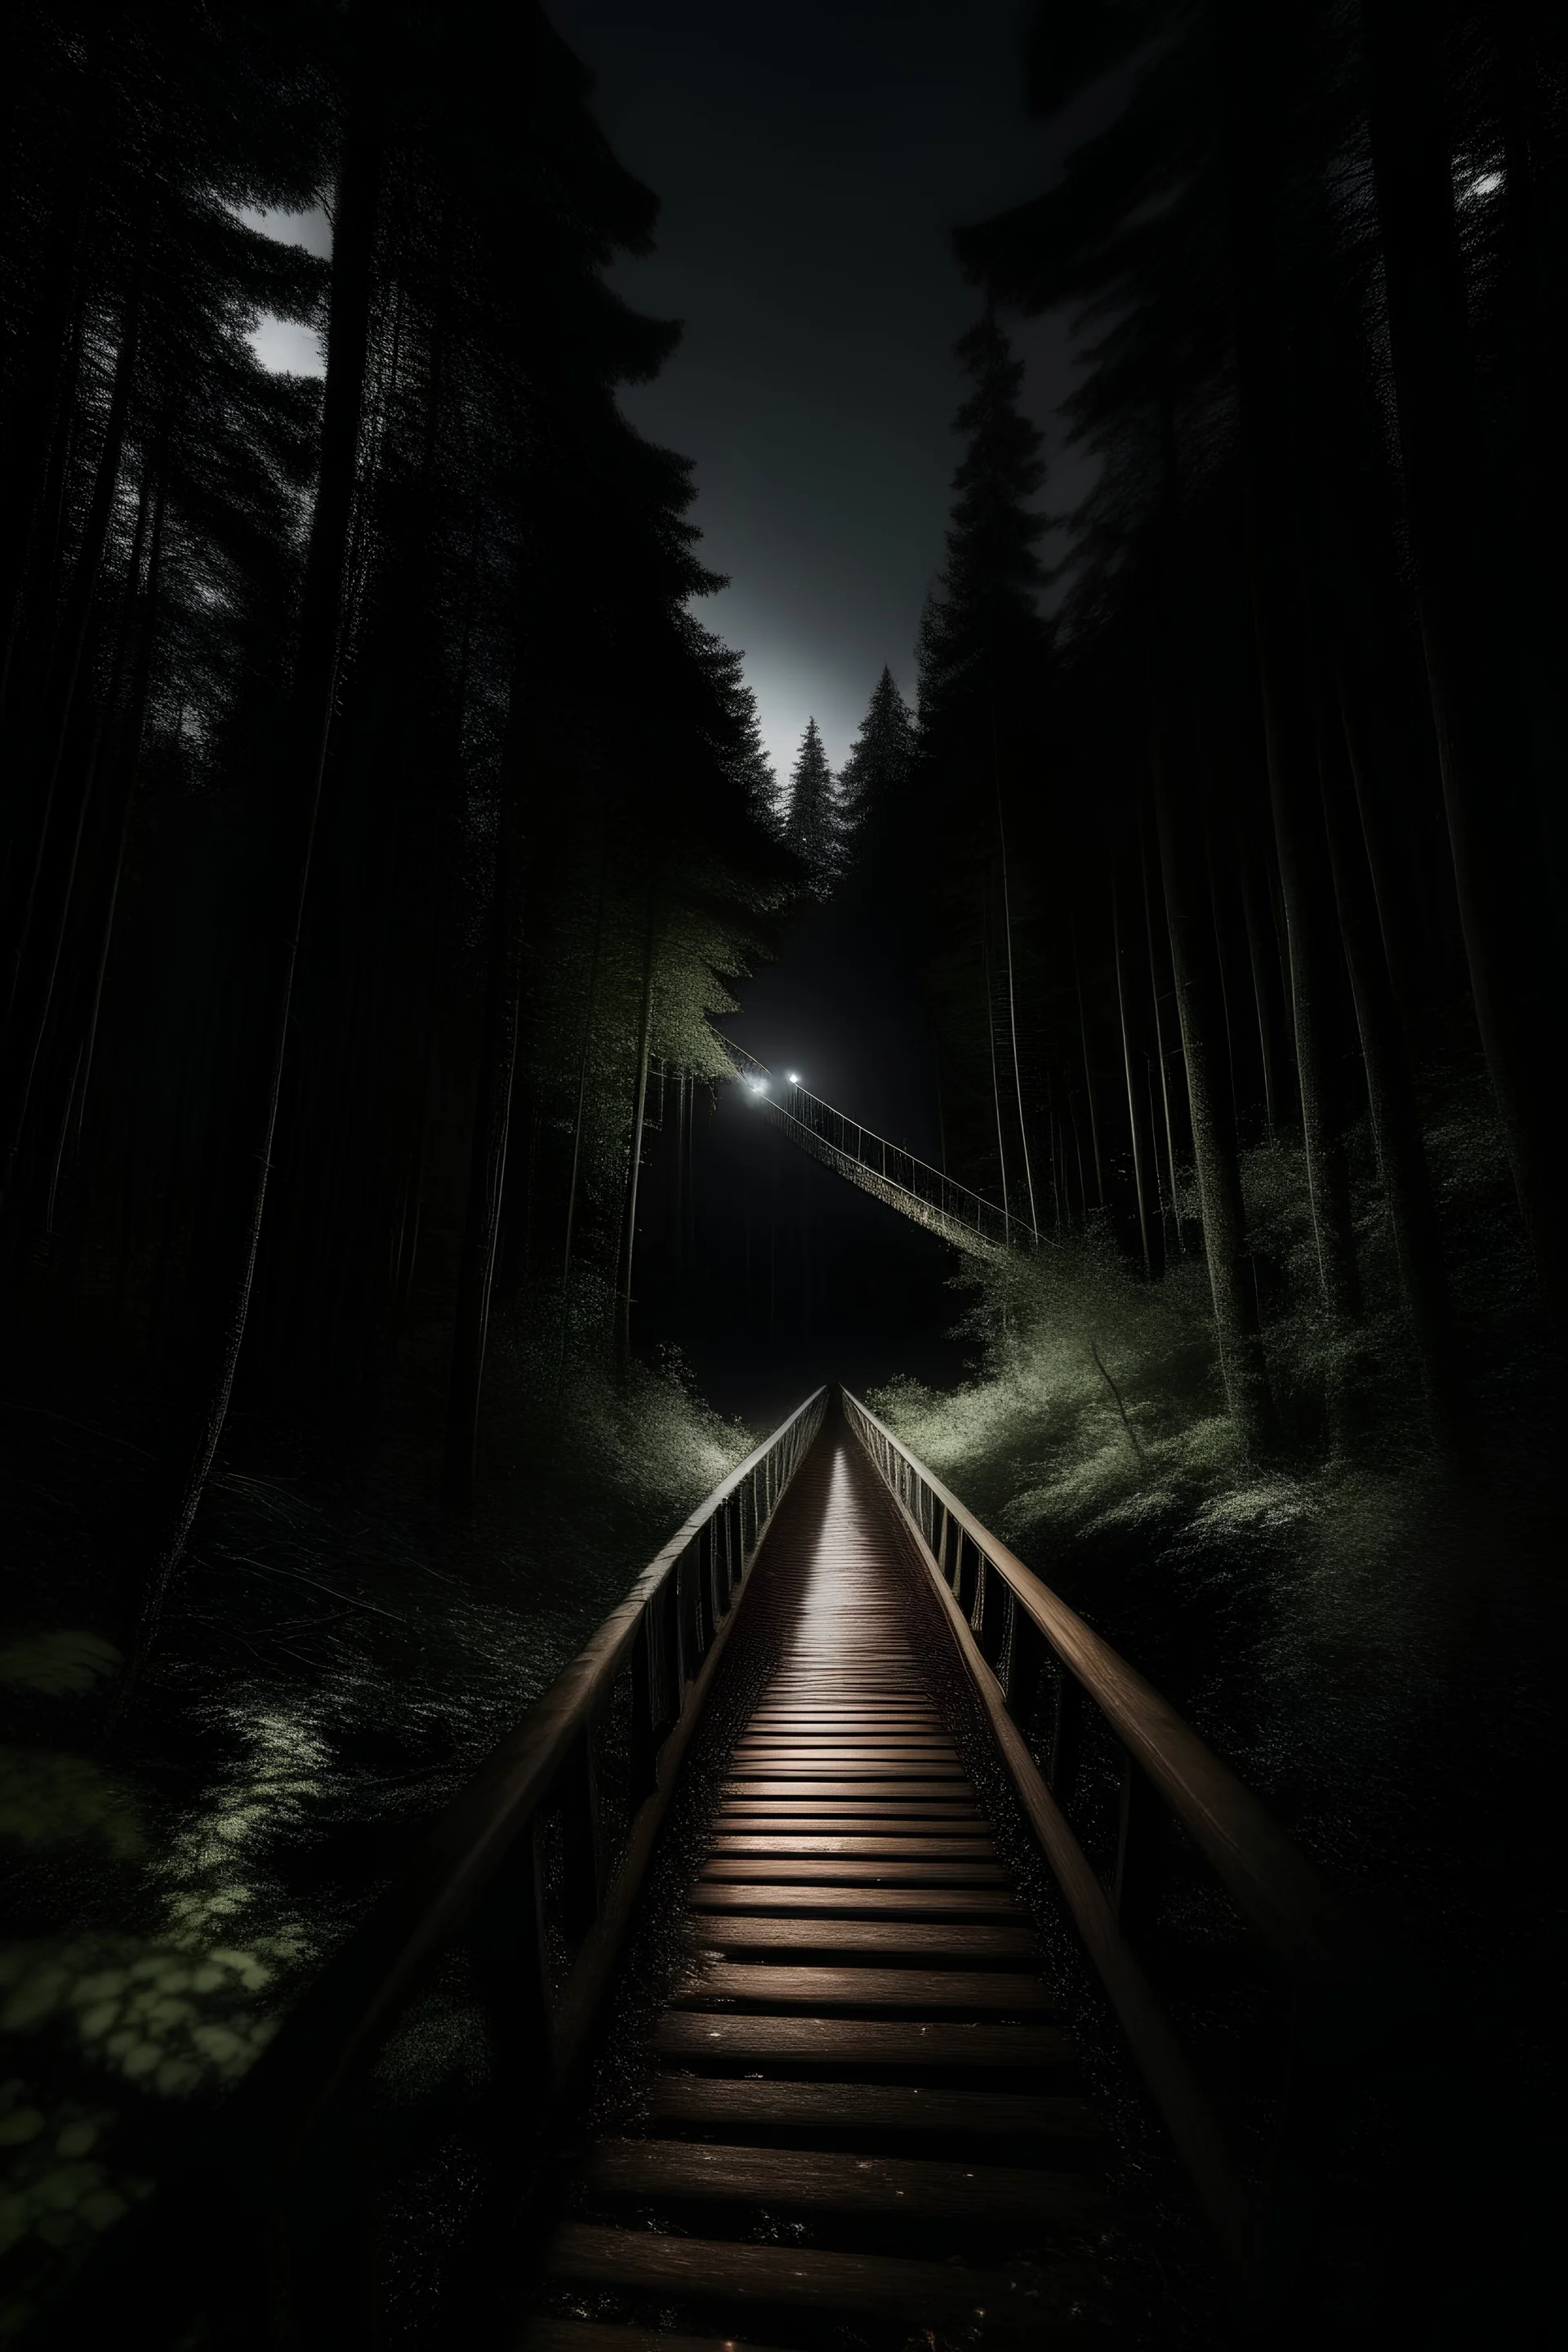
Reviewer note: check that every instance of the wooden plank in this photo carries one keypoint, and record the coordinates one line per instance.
(951, 1846)
(953, 1787)
(857, 1751)
(879, 1722)
(959, 1939)
(850, 1902)
(649, 2261)
(717, 2100)
(848, 1869)
(847, 1819)
(715, 2037)
(881, 1717)
(813, 2181)
(865, 1987)
(850, 1810)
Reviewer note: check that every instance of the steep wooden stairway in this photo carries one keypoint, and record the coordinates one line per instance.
(864, 2104)
(862, 2126)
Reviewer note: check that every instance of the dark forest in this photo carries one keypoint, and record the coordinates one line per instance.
(400, 1234)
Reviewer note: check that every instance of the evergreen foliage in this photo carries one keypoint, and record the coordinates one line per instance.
(349, 906)
(876, 775)
(814, 826)
(1230, 847)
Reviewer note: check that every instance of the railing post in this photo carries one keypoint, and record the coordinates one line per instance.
(715, 1587)
(648, 1704)
(689, 1610)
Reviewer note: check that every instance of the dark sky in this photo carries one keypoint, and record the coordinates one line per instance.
(812, 156)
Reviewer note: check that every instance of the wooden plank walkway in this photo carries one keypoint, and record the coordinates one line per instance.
(864, 2110)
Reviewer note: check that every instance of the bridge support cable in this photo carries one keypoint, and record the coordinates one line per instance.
(887, 1170)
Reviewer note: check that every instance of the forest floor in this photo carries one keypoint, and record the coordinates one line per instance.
(336, 1659)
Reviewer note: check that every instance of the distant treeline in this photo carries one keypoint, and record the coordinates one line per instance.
(375, 815)
(1257, 841)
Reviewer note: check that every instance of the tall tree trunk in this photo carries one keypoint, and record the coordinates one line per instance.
(1314, 951)
(629, 1207)
(308, 727)
(995, 1085)
(493, 1110)
(1252, 62)
(60, 694)
(1193, 959)
(44, 377)
(1391, 1096)
(1088, 1072)
(1012, 992)
(1471, 631)
(1262, 999)
(33, 1015)
(588, 1005)
(1135, 1117)
(127, 760)
(1160, 1050)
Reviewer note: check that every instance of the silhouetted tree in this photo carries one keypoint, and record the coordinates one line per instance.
(812, 825)
(876, 775)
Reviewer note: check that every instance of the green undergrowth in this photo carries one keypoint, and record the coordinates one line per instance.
(1317, 1613)
(337, 1656)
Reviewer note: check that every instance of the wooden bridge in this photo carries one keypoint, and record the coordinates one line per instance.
(837, 2090)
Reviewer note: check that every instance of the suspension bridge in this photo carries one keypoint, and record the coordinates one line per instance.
(889, 1172)
(784, 1844)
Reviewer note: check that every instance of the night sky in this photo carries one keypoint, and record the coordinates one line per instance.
(812, 156)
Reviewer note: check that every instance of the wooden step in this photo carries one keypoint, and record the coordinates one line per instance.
(850, 1902)
(847, 1870)
(708, 2269)
(955, 1789)
(719, 2100)
(840, 1767)
(900, 2044)
(865, 1988)
(810, 2181)
(888, 1820)
(959, 1939)
(953, 1847)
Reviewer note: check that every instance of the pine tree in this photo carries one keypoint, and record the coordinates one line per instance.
(813, 828)
(883, 755)
(983, 637)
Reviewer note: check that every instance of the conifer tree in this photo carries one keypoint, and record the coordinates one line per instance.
(878, 767)
(983, 636)
(813, 827)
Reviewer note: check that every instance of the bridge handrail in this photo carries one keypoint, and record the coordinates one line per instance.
(963, 1215)
(478, 1872)
(1283, 1895)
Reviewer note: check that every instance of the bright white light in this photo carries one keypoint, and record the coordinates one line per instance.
(757, 1086)
(1485, 184)
(795, 1078)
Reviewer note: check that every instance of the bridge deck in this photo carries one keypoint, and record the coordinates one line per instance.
(864, 2109)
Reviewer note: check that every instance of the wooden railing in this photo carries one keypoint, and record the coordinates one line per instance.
(890, 1172)
(524, 1888)
(1035, 1667)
